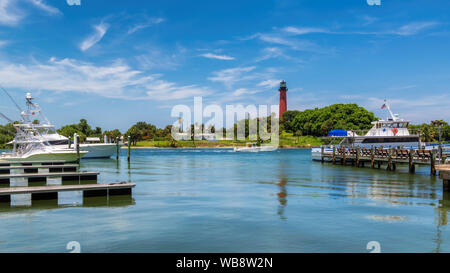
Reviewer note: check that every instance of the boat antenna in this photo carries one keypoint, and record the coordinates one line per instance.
(11, 98)
(394, 118)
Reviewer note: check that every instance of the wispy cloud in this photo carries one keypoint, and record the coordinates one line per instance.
(414, 28)
(303, 30)
(218, 57)
(9, 14)
(100, 31)
(232, 75)
(116, 80)
(45, 7)
(269, 83)
(150, 22)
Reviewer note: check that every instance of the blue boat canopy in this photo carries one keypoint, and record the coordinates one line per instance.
(338, 133)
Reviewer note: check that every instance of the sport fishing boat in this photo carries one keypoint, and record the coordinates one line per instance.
(28, 145)
(254, 148)
(49, 136)
(390, 133)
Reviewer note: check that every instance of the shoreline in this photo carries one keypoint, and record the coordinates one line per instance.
(224, 147)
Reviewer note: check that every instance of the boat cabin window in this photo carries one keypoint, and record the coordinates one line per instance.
(59, 142)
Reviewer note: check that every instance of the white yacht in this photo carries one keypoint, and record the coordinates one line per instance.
(28, 145)
(45, 134)
(94, 148)
(390, 133)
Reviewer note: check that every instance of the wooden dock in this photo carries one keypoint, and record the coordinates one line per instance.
(377, 157)
(19, 176)
(65, 176)
(51, 192)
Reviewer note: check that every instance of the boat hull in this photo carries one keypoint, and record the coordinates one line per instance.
(98, 150)
(43, 157)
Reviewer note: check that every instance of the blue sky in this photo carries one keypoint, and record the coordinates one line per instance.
(119, 62)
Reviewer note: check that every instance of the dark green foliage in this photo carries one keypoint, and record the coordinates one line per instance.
(318, 122)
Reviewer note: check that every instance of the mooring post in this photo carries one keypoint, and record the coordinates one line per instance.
(372, 157)
(344, 156)
(76, 138)
(412, 167)
(129, 148)
(117, 148)
(358, 151)
(323, 153)
(389, 167)
(433, 162)
(334, 154)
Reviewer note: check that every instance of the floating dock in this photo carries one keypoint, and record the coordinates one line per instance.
(18, 176)
(51, 192)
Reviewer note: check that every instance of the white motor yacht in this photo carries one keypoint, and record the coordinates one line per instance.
(390, 133)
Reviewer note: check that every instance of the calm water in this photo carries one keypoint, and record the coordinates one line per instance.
(214, 200)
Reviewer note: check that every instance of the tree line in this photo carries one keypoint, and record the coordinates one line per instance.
(312, 122)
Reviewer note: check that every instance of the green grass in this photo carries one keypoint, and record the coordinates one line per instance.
(286, 140)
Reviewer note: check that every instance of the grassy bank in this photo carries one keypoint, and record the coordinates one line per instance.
(286, 141)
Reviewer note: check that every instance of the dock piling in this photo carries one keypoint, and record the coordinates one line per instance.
(129, 148)
(372, 157)
(412, 167)
(117, 148)
(433, 163)
(323, 154)
(334, 155)
(77, 146)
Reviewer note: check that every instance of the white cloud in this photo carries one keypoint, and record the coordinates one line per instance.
(116, 80)
(303, 30)
(269, 83)
(3, 43)
(414, 28)
(9, 15)
(148, 23)
(232, 75)
(218, 57)
(100, 31)
(45, 7)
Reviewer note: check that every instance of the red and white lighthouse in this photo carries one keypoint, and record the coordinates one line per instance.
(283, 98)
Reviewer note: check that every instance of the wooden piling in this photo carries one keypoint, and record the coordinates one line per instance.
(117, 148)
(358, 151)
(433, 163)
(344, 157)
(129, 148)
(372, 157)
(77, 147)
(334, 155)
(323, 154)
(412, 167)
(389, 167)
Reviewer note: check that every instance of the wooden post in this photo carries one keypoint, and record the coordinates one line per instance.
(372, 157)
(129, 148)
(334, 154)
(77, 146)
(117, 148)
(344, 157)
(389, 167)
(323, 153)
(358, 151)
(433, 162)
(445, 185)
(412, 167)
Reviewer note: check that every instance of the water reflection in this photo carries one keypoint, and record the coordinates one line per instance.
(282, 194)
